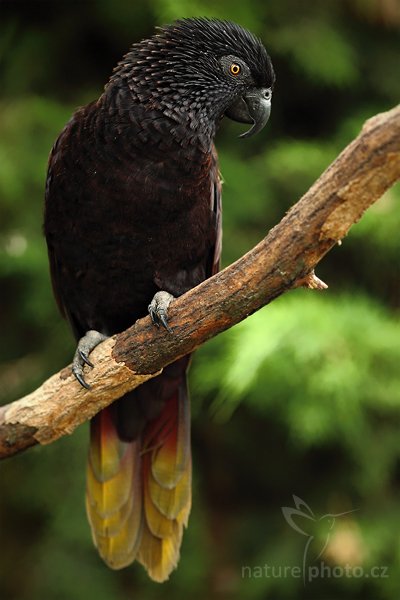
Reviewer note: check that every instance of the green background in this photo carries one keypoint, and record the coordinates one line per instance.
(300, 399)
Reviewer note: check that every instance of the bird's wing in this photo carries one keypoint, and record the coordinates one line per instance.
(54, 165)
(216, 205)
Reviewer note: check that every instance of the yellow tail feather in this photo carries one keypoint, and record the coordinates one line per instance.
(138, 495)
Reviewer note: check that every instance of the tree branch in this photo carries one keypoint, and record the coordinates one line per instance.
(284, 259)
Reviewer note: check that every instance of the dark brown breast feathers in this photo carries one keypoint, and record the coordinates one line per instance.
(132, 207)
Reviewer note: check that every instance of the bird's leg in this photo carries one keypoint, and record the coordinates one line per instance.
(86, 344)
(158, 309)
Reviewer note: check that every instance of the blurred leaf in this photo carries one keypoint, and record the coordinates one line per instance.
(320, 51)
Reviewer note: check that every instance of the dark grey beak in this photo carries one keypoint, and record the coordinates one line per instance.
(253, 107)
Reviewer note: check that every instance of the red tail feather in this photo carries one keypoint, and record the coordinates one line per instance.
(139, 493)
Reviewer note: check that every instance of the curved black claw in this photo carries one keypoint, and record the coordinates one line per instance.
(79, 377)
(86, 344)
(158, 309)
(85, 359)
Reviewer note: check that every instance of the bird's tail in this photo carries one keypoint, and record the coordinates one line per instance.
(138, 494)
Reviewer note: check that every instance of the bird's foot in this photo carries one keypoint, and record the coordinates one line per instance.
(158, 309)
(86, 344)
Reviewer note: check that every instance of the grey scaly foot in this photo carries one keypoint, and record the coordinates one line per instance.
(158, 309)
(86, 344)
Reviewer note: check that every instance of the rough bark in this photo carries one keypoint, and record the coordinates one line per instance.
(284, 259)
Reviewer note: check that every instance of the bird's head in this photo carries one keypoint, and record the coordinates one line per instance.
(198, 70)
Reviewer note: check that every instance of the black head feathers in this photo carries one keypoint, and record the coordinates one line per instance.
(194, 69)
(212, 39)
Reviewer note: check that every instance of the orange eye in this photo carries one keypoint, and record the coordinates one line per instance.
(235, 69)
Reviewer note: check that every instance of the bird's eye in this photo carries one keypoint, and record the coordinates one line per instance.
(235, 69)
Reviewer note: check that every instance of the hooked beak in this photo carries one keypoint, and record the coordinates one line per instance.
(253, 107)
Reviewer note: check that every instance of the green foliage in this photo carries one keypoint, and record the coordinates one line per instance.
(304, 46)
(302, 398)
(333, 360)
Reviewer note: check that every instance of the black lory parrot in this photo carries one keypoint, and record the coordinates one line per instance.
(133, 219)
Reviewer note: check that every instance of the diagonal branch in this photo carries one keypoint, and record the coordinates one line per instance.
(284, 259)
